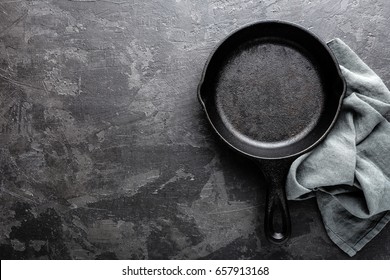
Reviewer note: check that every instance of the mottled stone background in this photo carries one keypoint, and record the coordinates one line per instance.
(104, 150)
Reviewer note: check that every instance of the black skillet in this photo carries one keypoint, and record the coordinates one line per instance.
(272, 91)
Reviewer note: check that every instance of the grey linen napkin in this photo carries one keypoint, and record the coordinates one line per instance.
(349, 172)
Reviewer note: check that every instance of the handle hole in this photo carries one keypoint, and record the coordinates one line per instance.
(277, 236)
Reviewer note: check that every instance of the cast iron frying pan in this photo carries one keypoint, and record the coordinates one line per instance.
(272, 91)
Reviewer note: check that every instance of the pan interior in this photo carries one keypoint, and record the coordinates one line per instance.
(269, 93)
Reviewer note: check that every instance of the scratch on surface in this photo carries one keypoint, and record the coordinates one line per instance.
(18, 196)
(45, 87)
(134, 183)
(106, 1)
(180, 174)
(11, 2)
(82, 0)
(93, 208)
(234, 210)
(19, 19)
(114, 2)
(79, 85)
(14, 82)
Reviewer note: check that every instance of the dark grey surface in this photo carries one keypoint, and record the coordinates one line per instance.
(105, 152)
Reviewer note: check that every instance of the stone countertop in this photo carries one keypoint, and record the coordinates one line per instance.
(105, 152)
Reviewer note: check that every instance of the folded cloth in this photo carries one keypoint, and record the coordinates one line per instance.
(349, 172)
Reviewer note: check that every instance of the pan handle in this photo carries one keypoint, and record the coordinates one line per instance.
(275, 173)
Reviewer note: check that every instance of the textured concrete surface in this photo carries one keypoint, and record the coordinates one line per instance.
(104, 150)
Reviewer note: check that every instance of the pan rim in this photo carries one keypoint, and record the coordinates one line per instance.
(303, 29)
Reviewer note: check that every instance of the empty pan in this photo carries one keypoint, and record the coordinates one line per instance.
(272, 91)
